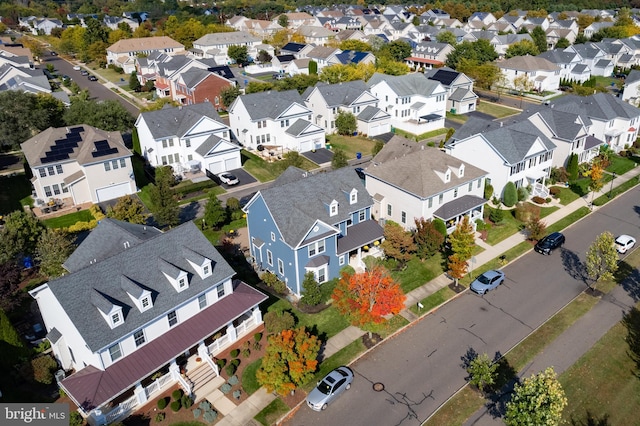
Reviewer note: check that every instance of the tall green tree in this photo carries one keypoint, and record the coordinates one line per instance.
(510, 194)
(398, 244)
(397, 50)
(129, 209)
(462, 239)
(13, 347)
(165, 205)
(427, 238)
(214, 214)
(572, 167)
(134, 83)
(19, 236)
(106, 115)
(339, 159)
(229, 94)
(522, 48)
(538, 401)
(54, 247)
(539, 37)
(480, 51)
(346, 123)
(446, 37)
(312, 295)
(602, 258)
(10, 278)
(482, 372)
(238, 54)
(23, 115)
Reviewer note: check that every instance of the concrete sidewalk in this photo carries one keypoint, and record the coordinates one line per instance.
(568, 347)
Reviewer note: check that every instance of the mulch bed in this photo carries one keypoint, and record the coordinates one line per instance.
(371, 339)
(458, 288)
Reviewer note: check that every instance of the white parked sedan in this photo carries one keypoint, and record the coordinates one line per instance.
(624, 243)
(228, 178)
(77, 68)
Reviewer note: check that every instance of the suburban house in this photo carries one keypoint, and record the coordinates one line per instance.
(354, 57)
(327, 100)
(136, 307)
(321, 55)
(318, 36)
(23, 79)
(124, 52)
(200, 85)
(78, 165)
(216, 45)
(518, 153)
(416, 104)
(613, 121)
(311, 223)
(429, 54)
(541, 74)
(589, 55)
(40, 25)
(411, 181)
(187, 138)
(296, 20)
(461, 99)
(113, 22)
(275, 119)
(571, 67)
(631, 90)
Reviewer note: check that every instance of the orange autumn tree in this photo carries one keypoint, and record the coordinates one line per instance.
(366, 297)
(290, 360)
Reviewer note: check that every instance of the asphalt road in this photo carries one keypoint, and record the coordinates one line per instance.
(96, 88)
(421, 367)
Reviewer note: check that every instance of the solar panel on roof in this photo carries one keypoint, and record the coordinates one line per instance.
(76, 129)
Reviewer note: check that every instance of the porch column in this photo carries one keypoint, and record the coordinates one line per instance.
(257, 315)
(231, 332)
(140, 393)
(202, 350)
(174, 369)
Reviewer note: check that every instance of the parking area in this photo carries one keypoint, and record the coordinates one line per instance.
(244, 178)
(319, 156)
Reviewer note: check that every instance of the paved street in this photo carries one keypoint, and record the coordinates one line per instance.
(421, 366)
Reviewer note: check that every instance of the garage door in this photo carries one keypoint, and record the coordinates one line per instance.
(216, 167)
(231, 164)
(111, 192)
(306, 146)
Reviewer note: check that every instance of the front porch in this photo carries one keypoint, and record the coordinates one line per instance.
(455, 211)
(362, 239)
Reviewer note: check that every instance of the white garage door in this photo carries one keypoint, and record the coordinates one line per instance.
(231, 163)
(306, 146)
(216, 167)
(111, 192)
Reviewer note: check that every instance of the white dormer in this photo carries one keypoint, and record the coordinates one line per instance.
(333, 208)
(111, 312)
(353, 196)
(447, 176)
(461, 171)
(178, 278)
(139, 295)
(202, 265)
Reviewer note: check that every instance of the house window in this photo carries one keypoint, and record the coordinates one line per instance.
(341, 260)
(114, 352)
(56, 189)
(470, 186)
(354, 195)
(43, 173)
(269, 257)
(107, 166)
(220, 290)
(440, 197)
(145, 303)
(479, 181)
(205, 270)
(189, 157)
(47, 191)
(59, 169)
(123, 162)
(182, 282)
(202, 301)
(176, 158)
(403, 217)
(173, 318)
(114, 164)
(362, 216)
(164, 160)
(170, 142)
(322, 275)
(187, 143)
(115, 318)
(64, 188)
(388, 209)
(334, 210)
(164, 143)
(273, 236)
(51, 170)
(280, 267)
(430, 202)
(455, 193)
(139, 337)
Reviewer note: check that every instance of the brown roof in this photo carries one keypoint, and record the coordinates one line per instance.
(92, 387)
(143, 44)
(528, 63)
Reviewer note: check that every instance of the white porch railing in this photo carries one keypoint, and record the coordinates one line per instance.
(185, 386)
(122, 410)
(158, 385)
(539, 190)
(245, 326)
(225, 341)
(219, 344)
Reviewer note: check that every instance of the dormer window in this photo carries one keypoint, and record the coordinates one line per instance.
(116, 319)
(333, 208)
(145, 303)
(447, 176)
(200, 264)
(461, 170)
(137, 293)
(206, 270)
(182, 282)
(353, 197)
(178, 278)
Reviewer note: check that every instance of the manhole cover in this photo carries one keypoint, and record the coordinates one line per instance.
(378, 387)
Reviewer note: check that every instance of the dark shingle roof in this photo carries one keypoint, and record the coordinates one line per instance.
(168, 122)
(270, 104)
(601, 106)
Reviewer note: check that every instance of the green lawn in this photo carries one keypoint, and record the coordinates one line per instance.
(510, 225)
(566, 195)
(69, 219)
(324, 324)
(264, 171)
(620, 165)
(433, 300)
(272, 412)
(423, 136)
(496, 110)
(351, 144)
(417, 272)
(15, 191)
(617, 191)
(249, 382)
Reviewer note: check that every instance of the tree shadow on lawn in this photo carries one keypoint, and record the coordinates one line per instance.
(629, 278)
(591, 420)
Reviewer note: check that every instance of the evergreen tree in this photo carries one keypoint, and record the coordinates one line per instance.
(539, 38)
(165, 205)
(312, 295)
(54, 247)
(510, 194)
(572, 167)
(339, 159)
(134, 83)
(214, 214)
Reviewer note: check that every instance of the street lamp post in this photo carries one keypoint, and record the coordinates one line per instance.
(611, 188)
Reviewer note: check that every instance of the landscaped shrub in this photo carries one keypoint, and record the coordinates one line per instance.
(43, 368)
(225, 388)
(75, 419)
(176, 394)
(221, 362)
(555, 191)
(572, 167)
(160, 417)
(523, 194)
(525, 211)
(510, 194)
(233, 380)
(176, 406)
(204, 405)
(538, 200)
(230, 369)
(273, 282)
(162, 403)
(276, 321)
(236, 394)
(312, 294)
(234, 353)
(246, 353)
(488, 191)
(257, 346)
(186, 401)
(558, 174)
(196, 413)
(496, 215)
(257, 337)
(548, 199)
(210, 416)
(440, 226)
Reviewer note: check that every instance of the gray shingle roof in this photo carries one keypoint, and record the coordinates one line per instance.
(297, 204)
(177, 121)
(208, 144)
(139, 263)
(412, 167)
(370, 112)
(227, 38)
(106, 240)
(461, 205)
(562, 123)
(408, 84)
(270, 104)
(341, 94)
(600, 106)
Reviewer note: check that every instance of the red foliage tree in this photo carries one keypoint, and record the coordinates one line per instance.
(457, 267)
(368, 296)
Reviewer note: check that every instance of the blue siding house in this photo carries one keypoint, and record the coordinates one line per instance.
(306, 222)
